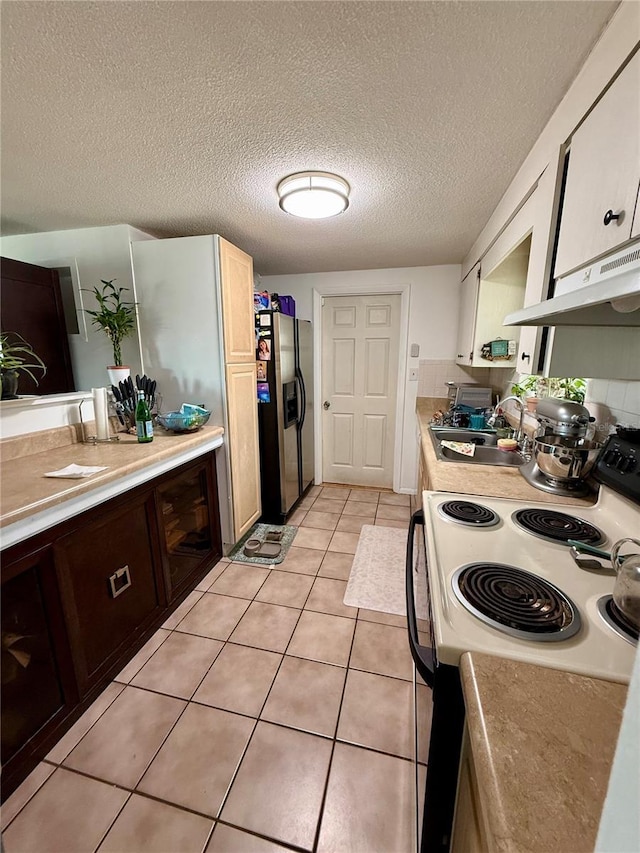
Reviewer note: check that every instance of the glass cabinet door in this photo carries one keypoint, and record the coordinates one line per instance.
(186, 521)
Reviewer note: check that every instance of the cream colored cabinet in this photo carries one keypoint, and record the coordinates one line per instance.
(236, 289)
(242, 418)
(603, 176)
(484, 304)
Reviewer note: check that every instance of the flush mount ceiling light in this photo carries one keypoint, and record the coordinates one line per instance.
(314, 195)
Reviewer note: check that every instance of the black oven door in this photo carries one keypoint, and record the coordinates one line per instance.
(445, 738)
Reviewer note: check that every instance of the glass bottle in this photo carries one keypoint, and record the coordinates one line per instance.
(144, 425)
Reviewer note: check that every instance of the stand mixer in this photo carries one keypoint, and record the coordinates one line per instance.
(563, 450)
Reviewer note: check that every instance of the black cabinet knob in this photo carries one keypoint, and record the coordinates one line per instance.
(610, 216)
(525, 356)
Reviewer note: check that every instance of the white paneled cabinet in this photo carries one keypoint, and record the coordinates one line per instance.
(469, 289)
(603, 176)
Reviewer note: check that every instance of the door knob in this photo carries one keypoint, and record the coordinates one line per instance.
(326, 404)
(610, 217)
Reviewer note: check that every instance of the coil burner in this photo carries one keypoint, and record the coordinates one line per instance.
(617, 621)
(516, 602)
(556, 526)
(469, 513)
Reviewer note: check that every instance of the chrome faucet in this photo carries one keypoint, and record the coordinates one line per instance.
(520, 433)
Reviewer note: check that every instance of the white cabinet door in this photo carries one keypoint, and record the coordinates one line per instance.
(242, 442)
(469, 289)
(604, 169)
(236, 286)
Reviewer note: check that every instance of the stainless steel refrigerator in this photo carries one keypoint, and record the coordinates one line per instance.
(285, 413)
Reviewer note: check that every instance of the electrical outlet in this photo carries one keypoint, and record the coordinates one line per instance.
(413, 374)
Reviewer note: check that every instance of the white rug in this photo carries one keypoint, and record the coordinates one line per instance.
(377, 579)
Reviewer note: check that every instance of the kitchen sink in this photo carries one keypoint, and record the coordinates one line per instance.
(475, 436)
(483, 456)
(486, 451)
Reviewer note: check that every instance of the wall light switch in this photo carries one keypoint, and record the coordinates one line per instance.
(413, 374)
(414, 352)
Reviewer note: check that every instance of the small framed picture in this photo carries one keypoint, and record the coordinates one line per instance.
(264, 349)
(263, 392)
(261, 371)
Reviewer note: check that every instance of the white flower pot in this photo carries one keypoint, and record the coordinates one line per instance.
(118, 373)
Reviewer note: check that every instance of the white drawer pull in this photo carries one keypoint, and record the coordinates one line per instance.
(119, 581)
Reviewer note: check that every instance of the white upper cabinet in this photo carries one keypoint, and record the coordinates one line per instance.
(603, 176)
(469, 289)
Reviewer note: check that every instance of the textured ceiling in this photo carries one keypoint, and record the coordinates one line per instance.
(181, 117)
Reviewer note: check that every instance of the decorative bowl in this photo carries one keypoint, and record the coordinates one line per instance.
(185, 421)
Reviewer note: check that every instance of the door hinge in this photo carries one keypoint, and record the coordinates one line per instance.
(323, 301)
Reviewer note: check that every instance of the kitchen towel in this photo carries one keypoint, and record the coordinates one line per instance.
(377, 579)
(76, 472)
(466, 448)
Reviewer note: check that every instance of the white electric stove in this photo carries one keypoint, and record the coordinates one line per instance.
(480, 551)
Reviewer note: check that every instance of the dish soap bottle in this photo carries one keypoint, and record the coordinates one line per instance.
(144, 425)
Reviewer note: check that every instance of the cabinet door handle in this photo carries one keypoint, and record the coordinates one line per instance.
(610, 216)
(119, 581)
(525, 356)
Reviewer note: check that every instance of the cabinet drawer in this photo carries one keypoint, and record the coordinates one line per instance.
(110, 589)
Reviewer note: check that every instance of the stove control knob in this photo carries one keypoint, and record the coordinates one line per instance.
(611, 457)
(629, 465)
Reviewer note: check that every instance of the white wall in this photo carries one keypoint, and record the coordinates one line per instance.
(95, 254)
(433, 324)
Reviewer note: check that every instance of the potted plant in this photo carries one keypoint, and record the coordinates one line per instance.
(117, 319)
(16, 354)
(528, 390)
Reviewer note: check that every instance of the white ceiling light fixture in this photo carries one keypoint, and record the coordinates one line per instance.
(314, 195)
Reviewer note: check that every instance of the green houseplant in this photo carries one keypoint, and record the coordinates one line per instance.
(531, 388)
(16, 354)
(117, 319)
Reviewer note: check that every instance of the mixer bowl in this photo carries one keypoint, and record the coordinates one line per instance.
(563, 458)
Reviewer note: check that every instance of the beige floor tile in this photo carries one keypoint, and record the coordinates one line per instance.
(369, 496)
(198, 759)
(21, 796)
(425, 715)
(82, 726)
(327, 505)
(121, 744)
(382, 649)
(266, 626)
(393, 499)
(382, 618)
(353, 523)
(306, 503)
(240, 580)
(314, 491)
(225, 839)
(286, 588)
(178, 667)
(369, 804)
(304, 561)
(146, 826)
(296, 518)
(345, 543)
(309, 537)
(181, 611)
(359, 508)
(323, 638)
(214, 616)
(212, 576)
(306, 695)
(327, 596)
(239, 680)
(377, 711)
(69, 813)
(397, 513)
(391, 522)
(335, 493)
(321, 520)
(279, 787)
(336, 565)
(136, 663)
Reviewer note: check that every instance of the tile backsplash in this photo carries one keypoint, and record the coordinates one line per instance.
(433, 373)
(614, 401)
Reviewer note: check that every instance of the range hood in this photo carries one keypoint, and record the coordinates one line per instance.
(606, 293)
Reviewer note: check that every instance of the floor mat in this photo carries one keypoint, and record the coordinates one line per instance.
(377, 579)
(259, 531)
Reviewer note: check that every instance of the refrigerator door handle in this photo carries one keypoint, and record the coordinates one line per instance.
(302, 398)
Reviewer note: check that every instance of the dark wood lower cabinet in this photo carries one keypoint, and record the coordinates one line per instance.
(79, 600)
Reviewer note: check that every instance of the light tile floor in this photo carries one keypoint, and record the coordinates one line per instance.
(264, 715)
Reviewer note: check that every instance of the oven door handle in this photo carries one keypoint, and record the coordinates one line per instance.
(423, 656)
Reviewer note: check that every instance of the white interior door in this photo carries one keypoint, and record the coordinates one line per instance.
(360, 336)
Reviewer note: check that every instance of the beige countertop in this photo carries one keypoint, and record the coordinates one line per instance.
(472, 479)
(543, 743)
(27, 492)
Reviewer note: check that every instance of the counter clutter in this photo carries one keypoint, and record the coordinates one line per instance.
(542, 743)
